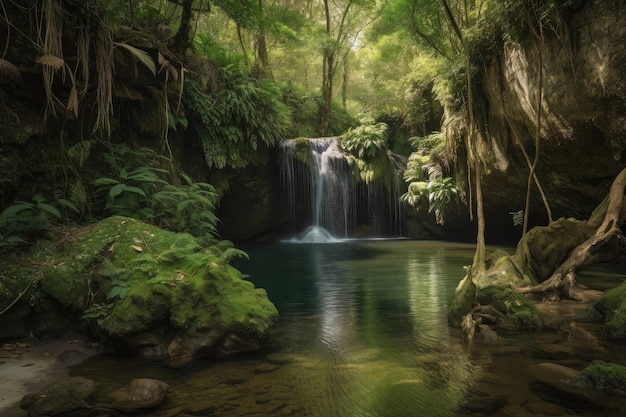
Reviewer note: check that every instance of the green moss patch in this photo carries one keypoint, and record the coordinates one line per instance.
(125, 277)
(602, 376)
(519, 311)
(611, 308)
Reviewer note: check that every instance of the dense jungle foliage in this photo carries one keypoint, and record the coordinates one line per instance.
(128, 86)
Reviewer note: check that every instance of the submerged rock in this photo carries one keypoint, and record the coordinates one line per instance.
(61, 397)
(141, 394)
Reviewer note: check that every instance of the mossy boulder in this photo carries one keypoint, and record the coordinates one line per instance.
(518, 312)
(611, 308)
(161, 293)
(544, 248)
(462, 303)
(603, 376)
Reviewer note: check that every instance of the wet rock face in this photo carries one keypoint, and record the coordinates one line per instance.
(583, 127)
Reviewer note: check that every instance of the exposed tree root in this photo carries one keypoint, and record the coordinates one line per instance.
(601, 247)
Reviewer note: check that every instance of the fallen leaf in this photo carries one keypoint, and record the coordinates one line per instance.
(137, 248)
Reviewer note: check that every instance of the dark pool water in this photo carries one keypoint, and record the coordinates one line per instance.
(363, 332)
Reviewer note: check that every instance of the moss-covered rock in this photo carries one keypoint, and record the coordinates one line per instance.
(462, 303)
(132, 281)
(611, 308)
(518, 311)
(599, 375)
(544, 248)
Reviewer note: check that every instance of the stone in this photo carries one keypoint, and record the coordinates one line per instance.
(62, 396)
(559, 384)
(141, 393)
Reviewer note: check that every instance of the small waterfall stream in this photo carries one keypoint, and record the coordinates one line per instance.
(325, 199)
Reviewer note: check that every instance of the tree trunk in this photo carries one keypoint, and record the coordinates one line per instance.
(181, 41)
(601, 247)
(261, 57)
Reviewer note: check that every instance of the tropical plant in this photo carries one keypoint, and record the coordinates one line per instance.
(425, 176)
(23, 221)
(244, 114)
(365, 141)
(131, 183)
(188, 208)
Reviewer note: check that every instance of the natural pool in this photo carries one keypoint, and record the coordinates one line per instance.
(363, 333)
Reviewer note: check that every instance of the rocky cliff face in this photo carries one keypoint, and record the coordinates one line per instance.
(583, 123)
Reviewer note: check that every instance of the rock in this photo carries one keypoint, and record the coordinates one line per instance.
(72, 357)
(211, 309)
(63, 396)
(487, 405)
(561, 385)
(489, 335)
(141, 393)
(607, 377)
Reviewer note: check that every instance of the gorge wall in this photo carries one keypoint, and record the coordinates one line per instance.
(583, 123)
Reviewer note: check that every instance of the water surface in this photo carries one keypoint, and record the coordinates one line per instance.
(363, 332)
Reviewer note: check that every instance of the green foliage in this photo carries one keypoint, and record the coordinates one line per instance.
(442, 193)
(365, 141)
(305, 108)
(148, 275)
(130, 193)
(244, 114)
(136, 188)
(24, 221)
(188, 208)
(426, 180)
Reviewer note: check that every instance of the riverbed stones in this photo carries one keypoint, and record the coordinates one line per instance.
(60, 397)
(140, 394)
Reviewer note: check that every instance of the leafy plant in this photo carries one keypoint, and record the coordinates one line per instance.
(365, 141)
(244, 114)
(129, 194)
(188, 208)
(442, 193)
(425, 175)
(24, 221)
(132, 182)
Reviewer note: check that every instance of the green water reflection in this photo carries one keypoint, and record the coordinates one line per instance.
(363, 333)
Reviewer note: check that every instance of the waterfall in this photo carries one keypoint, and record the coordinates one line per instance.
(325, 200)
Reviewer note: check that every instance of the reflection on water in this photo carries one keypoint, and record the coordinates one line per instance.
(363, 333)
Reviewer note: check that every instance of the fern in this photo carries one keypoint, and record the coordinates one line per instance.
(365, 141)
(243, 115)
(189, 208)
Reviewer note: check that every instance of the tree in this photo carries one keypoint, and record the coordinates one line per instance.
(344, 23)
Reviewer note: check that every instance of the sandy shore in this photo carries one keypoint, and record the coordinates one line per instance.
(27, 366)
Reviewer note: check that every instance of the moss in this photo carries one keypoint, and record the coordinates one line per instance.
(611, 308)
(462, 303)
(543, 249)
(126, 277)
(519, 311)
(602, 376)
(303, 151)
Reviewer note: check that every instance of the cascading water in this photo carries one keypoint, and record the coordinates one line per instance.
(326, 201)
